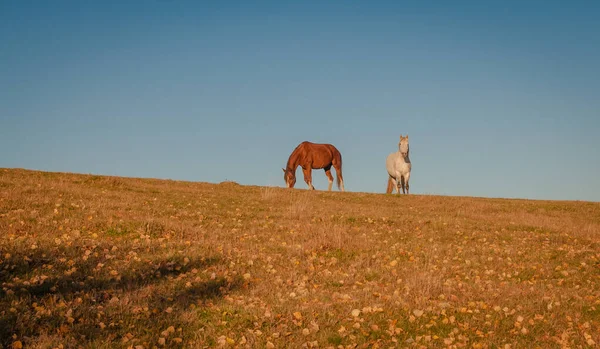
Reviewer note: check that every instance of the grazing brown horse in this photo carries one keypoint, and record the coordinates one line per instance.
(314, 156)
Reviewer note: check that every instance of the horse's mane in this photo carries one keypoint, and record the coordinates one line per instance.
(292, 162)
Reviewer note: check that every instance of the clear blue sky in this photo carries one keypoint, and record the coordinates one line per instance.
(499, 98)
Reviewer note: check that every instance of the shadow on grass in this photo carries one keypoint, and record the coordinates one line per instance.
(30, 307)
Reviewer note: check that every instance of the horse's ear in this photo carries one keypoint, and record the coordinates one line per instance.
(407, 137)
(283, 169)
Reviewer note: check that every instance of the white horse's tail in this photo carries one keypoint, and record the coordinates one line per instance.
(390, 186)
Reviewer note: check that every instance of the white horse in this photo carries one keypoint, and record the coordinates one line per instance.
(398, 167)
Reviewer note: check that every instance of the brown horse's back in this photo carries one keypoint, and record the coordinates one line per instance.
(319, 155)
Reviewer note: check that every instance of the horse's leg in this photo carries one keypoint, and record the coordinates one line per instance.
(308, 177)
(402, 182)
(406, 178)
(329, 177)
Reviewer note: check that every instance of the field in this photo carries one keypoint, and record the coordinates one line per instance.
(110, 262)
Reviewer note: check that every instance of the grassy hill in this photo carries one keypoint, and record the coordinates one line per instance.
(101, 262)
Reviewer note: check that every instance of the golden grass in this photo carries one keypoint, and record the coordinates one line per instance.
(104, 262)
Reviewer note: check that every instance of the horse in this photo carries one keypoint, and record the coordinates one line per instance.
(311, 156)
(398, 168)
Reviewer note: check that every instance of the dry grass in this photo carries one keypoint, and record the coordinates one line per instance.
(104, 262)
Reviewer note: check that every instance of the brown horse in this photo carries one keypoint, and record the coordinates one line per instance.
(314, 156)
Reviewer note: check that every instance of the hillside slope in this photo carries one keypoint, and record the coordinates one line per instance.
(121, 262)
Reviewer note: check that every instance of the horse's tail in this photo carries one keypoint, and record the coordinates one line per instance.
(337, 163)
(338, 174)
(390, 186)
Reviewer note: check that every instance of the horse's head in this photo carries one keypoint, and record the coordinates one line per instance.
(289, 177)
(403, 146)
